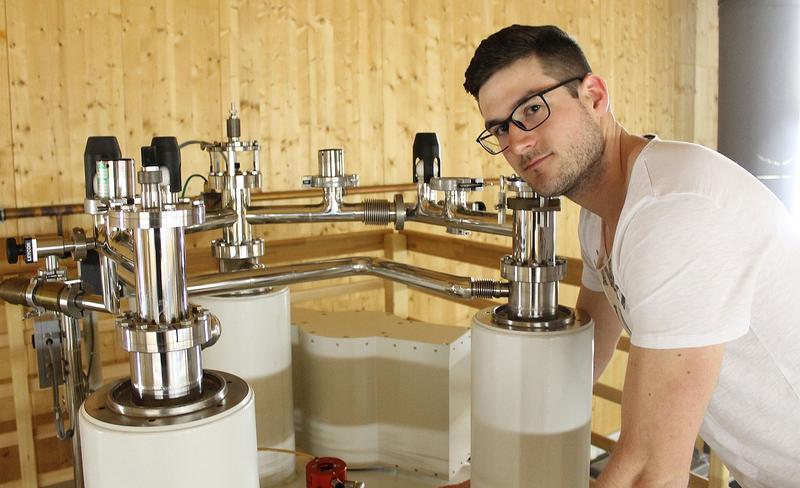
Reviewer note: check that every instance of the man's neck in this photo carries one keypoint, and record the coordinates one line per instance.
(605, 195)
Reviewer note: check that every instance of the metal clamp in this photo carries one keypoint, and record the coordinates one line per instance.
(222, 250)
(132, 217)
(533, 273)
(316, 181)
(196, 330)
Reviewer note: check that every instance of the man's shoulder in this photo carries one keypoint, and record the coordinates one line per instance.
(667, 168)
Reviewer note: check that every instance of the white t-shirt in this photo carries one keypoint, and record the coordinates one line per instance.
(705, 254)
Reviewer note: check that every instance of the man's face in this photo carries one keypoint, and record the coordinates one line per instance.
(559, 156)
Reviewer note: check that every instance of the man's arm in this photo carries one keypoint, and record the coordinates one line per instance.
(607, 327)
(665, 396)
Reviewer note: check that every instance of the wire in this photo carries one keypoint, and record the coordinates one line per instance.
(186, 184)
(193, 141)
(287, 451)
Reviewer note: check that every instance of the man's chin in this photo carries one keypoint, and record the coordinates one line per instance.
(541, 187)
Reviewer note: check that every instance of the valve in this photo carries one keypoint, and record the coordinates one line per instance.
(14, 250)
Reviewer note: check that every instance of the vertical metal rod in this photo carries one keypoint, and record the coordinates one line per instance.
(75, 387)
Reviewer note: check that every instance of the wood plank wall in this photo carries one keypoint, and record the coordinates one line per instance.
(365, 75)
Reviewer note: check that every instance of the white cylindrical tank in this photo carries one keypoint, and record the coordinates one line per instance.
(256, 345)
(531, 405)
(205, 449)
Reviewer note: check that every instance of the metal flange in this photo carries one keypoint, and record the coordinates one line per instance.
(456, 184)
(316, 181)
(532, 274)
(198, 329)
(501, 317)
(132, 217)
(247, 250)
(246, 180)
(237, 146)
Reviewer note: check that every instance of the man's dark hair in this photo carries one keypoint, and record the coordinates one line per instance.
(560, 56)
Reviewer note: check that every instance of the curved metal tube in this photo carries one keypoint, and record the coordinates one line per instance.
(215, 219)
(433, 281)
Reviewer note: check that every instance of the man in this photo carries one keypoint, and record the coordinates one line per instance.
(681, 246)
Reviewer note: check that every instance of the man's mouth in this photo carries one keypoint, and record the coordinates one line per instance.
(533, 163)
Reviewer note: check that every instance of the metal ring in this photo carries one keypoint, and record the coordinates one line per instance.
(503, 319)
(120, 399)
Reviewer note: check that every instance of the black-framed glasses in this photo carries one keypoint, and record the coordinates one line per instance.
(529, 114)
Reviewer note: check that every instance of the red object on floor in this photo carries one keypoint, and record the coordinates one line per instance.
(322, 472)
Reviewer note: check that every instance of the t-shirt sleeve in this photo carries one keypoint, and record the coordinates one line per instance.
(588, 232)
(688, 273)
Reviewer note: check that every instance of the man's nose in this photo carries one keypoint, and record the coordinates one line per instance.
(520, 141)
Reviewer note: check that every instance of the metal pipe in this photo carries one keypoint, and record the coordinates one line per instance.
(462, 220)
(440, 283)
(215, 219)
(161, 275)
(77, 208)
(89, 302)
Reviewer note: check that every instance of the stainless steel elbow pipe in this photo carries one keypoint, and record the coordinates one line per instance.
(439, 283)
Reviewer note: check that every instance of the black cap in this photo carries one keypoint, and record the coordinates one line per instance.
(426, 148)
(168, 154)
(97, 148)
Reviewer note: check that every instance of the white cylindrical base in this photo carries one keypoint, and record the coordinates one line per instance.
(256, 345)
(531, 406)
(215, 451)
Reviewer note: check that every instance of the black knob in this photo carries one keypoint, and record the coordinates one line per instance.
(168, 155)
(14, 250)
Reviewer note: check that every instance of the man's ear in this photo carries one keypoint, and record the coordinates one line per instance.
(594, 94)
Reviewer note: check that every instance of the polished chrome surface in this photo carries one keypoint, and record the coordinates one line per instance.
(121, 179)
(165, 375)
(98, 407)
(133, 217)
(331, 162)
(121, 398)
(161, 275)
(221, 249)
(433, 281)
(198, 329)
(215, 219)
(502, 318)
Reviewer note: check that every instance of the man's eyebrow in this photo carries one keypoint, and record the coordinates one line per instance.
(493, 122)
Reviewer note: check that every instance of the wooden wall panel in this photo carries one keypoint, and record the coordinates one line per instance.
(365, 75)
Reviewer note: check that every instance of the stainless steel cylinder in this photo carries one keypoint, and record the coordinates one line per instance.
(240, 231)
(161, 275)
(533, 300)
(121, 178)
(166, 375)
(525, 230)
(161, 299)
(331, 162)
(544, 242)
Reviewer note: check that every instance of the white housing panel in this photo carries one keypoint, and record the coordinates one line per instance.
(531, 406)
(256, 346)
(378, 390)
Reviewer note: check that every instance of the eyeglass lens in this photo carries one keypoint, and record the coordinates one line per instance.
(527, 116)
